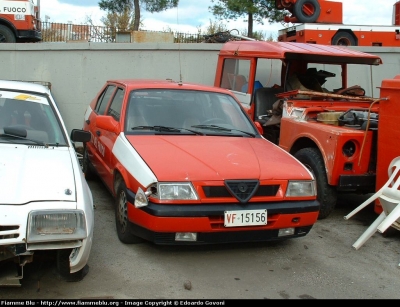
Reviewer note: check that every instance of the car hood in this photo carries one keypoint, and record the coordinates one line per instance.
(35, 173)
(174, 158)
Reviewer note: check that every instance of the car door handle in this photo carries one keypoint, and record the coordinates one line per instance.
(88, 121)
(98, 132)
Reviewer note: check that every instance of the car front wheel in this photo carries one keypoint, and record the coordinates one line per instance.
(63, 267)
(124, 227)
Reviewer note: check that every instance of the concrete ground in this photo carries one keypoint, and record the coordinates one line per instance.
(321, 265)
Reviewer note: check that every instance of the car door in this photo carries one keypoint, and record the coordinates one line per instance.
(95, 148)
(108, 138)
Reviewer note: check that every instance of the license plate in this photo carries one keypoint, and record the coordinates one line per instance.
(245, 218)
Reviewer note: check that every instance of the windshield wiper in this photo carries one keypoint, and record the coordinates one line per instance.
(193, 131)
(156, 128)
(164, 128)
(21, 134)
(216, 127)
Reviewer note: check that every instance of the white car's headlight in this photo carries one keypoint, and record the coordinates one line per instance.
(301, 188)
(56, 225)
(176, 191)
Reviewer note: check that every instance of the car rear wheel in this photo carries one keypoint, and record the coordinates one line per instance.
(63, 266)
(124, 227)
(326, 194)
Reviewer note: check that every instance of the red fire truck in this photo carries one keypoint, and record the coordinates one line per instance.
(19, 21)
(321, 22)
(304, 98)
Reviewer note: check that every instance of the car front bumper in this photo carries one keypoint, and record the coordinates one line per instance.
(13, 235)
(159, 223)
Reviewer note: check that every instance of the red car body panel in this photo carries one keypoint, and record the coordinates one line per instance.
(214, 158)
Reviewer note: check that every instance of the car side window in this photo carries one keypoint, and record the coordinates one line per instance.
(116, 104)
(104, 99)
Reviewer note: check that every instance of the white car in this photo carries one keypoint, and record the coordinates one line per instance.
(45, 202)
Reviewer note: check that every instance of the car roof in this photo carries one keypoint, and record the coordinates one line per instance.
(298, 51)
(133, 84)
(24, 85)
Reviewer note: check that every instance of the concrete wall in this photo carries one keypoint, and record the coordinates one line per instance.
(77, 71)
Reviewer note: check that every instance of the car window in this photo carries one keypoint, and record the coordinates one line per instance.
(104, 99)
(116, 104)
(30, 116)
(185, 109)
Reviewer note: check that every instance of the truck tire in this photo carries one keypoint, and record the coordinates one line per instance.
(343, 38)
(307, 11)
(326, 194)
(6, 35)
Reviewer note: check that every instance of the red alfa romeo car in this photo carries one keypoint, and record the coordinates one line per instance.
(186, 165)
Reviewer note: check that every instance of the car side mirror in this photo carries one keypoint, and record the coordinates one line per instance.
(107, 123)
(79, 135)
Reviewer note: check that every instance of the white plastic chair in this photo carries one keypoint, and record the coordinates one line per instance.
(389, 198)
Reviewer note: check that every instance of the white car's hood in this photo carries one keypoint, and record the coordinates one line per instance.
(35, 173)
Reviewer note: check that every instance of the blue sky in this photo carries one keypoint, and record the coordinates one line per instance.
(193, 14)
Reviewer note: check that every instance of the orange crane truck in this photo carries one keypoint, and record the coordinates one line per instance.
(321, 22)
(19, 21)
(318, 103)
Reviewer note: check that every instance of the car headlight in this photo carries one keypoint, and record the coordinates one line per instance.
(56, 225)
(176, 191)
(301, 188)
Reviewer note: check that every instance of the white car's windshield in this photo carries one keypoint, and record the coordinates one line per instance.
(28, 117)
(186, 110)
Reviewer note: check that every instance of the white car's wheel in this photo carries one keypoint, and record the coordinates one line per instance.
(63, 266)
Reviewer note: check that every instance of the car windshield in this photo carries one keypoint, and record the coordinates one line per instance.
(29, 118)
(186, 112)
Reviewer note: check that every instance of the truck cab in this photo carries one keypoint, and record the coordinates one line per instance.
(19, 21)
(316, 102)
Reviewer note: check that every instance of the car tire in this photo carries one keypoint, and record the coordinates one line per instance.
(123, 225)
(62, 260)
(326, 194)
(86, 165)
(303, 16)
(6, 35)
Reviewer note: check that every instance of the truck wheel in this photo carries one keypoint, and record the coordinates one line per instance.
(343, 39)
(326, 194)
(6, 35)
(124, 227)
(63, 266)
(307, 11)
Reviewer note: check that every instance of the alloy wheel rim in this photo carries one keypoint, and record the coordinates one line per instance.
(122, 211)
